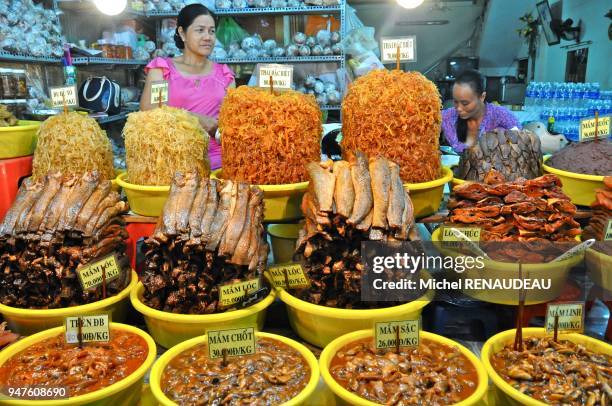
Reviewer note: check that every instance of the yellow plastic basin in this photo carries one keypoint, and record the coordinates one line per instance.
(19, 140)
(169, 329)
(115, 186)
(505, 393)
(580, 188)
(599, 266)
(164, 360)
(426, 197)
(320, 325)
(30, 321)
(557, 272)
(125, 392)
(352, 399)
(282, 202)
(283, 237)
(144, 200)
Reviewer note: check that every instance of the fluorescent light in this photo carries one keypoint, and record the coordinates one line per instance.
(111, 7)
(409, 3)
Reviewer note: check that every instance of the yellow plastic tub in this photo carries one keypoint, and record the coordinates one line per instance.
(557, 272)
(164, 360)
(169, 329)
(125, 392)
(19, 140)
(426, 197)
(144, 200)
(505, 393)
(30, 321)
(320, 325)
(114, 183)
(580, 188)
(283, 237)
(282, 202)
(350, 398)
(599, 266)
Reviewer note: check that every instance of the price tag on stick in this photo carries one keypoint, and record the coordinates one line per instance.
(99, 272)
(570, 317)
(235, 293)
(159, 92)
(231, 343)
(289, 274)
(87, 329)
(406, 46)
(395, 334)
(275, 76)
(64, 96)
(594, 128)
(608, 234)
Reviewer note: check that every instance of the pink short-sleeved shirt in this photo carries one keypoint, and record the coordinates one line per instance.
(201, 94)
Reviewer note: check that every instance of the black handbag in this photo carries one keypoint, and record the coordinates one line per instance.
(100, 94)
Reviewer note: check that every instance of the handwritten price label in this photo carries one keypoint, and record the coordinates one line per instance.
(63, 96)
(407, 48)
(159, 88)
(282, 76)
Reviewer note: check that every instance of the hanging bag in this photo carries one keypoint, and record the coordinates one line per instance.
(100, 94)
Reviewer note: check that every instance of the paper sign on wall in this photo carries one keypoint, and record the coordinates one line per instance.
(159, 88)
(64, 96)
(282, 76)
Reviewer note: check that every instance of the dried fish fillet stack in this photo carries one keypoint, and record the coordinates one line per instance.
(347, 203)
(535, 211)
(602, 213)
(209, 234)
(515, 154)
(56, 225)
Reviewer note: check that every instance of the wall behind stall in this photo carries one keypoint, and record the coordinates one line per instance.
(433, 41)
(551, 60)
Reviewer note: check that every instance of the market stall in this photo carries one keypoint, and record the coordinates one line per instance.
(175, 230)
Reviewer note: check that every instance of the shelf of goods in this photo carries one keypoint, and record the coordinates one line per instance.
(19, 57)
(294, 59)
(251, 11)
(107, 61)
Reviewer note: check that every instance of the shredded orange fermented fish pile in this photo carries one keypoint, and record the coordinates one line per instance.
(267, 139)
(396, 115)
(72, 144)
(161, 141)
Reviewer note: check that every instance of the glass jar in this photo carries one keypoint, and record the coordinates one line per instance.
(21, 88)
(7, 84)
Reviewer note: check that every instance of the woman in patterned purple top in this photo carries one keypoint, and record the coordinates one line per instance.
(471, 116)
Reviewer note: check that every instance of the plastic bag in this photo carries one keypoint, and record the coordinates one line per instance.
(229, 31)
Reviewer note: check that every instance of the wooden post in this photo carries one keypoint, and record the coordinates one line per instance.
(596, 124)
(556, 327)
(397, 58)
(160, 98)
(397, 340)
(271, 85)
(80, 331)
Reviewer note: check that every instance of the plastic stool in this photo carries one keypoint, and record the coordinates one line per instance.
(570, 293)
(136, 232)
(11, 172)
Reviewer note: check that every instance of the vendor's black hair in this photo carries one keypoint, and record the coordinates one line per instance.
(185, 19)
(473, 79)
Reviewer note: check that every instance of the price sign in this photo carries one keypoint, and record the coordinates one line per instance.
(588, 126)
(291, 274)
(407, 48)
(93, 328)
(386, 334)
(608, 234)
(453, 234)
(282, 76)
(94, 274)
(234, 343)
(234, 293)
(159, 88)
(64, 96)
(570, 317)
(137, 5)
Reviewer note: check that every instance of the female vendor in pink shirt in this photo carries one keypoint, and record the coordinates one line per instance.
(196, 84)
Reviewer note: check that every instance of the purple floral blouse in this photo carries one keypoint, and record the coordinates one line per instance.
(495, 117)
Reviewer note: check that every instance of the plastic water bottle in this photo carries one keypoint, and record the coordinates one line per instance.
(529, 95)
(579, 96)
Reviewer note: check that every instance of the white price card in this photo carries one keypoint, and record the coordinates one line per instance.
(282, 76)
(588, 126)
(407, 48)
(93, 328)
(64, 96)
(159, 89)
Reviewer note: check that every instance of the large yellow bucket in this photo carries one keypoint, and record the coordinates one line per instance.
(580, 188)
(169, 329)
(144, 200)
(505, 393)
(557, 272)
(30, 321)
(126, 392)
(347, 397)
(283, 238)
(319, 325)
(281, 202)
(599, 266)
(19, 140)
(427, 196)
(164, 360)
